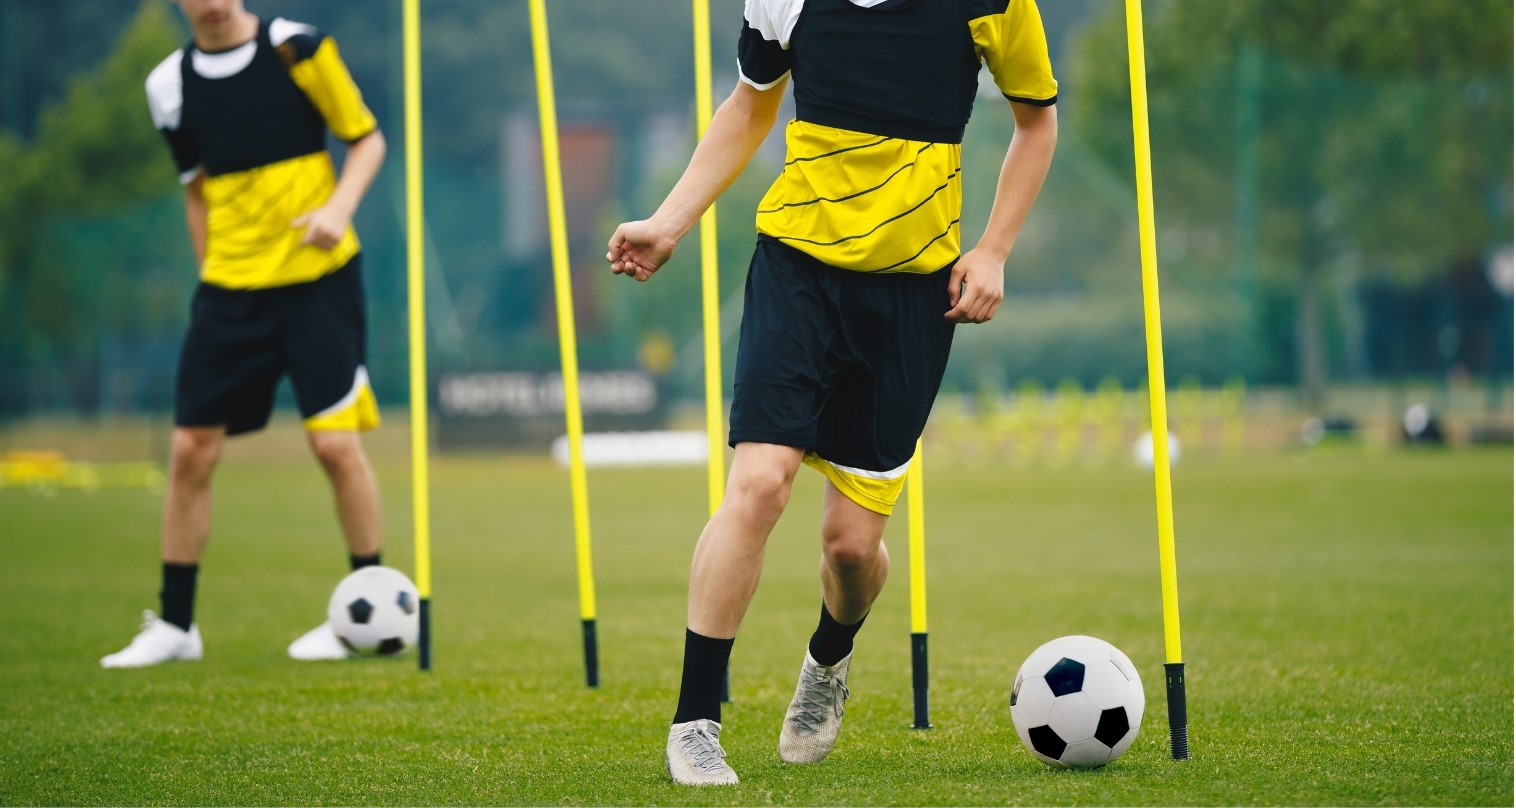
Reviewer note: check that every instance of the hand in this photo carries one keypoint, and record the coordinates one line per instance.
(638, 249)
(975, 287)
(324, 226)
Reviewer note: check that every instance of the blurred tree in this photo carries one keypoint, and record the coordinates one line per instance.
(95, 156)
(1373, 134)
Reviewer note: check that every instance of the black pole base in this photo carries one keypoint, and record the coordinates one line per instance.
(591, 655)
(424, 637)
(922, 710)
(1179, 721)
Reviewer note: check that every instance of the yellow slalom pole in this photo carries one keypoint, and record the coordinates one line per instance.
(415, 266)
(1179, 740)
(567, 343)
(710, 301)
(915, 502)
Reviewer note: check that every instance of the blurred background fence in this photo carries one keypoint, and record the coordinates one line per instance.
(1334, 202)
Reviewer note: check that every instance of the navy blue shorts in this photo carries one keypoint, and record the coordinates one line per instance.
(241, 342)
(844, 364)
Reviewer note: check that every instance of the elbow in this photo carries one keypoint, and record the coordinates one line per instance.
(1038, 124)
(373, 143)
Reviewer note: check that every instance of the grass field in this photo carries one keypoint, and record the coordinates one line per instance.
(1347, 633)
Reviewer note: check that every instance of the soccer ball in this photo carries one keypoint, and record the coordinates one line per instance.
(1077, 702)
(375, 611)
(1143, 451)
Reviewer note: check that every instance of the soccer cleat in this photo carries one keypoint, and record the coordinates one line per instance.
(815, 714)
(158, 642)
(317, 644)
(695, 757)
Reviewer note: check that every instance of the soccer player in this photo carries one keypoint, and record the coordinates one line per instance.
(854, 289)
(245, 108)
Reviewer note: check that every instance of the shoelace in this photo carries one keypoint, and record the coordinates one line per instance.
(816, 697)
(703, 749)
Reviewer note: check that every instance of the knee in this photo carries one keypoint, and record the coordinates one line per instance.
(764, 492)
(193, 453)
(337, 451)
(847, 550)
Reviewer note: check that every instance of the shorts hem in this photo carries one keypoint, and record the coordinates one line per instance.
(777, 438)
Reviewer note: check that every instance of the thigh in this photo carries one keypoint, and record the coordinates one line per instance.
(785, 349)
(229, 363)
(323, 331)
(898, 346)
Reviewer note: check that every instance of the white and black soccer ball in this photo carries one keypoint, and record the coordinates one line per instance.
(1143, 451)
(1077, 702)
(375, 611)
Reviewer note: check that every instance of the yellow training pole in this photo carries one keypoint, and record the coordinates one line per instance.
(1179, 740)
(567, 343)
(710, 301)
(915, 503)
(415, 270)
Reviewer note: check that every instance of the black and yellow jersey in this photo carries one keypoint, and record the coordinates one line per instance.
(883, 91)
(253, 121)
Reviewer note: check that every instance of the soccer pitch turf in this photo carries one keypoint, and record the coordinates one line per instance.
(1347, 632)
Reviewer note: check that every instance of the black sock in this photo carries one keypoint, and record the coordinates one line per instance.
(359, 562)
(832, 640)
(704, 677)
(177, 598)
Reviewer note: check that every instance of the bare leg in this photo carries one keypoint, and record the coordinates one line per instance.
(854, 561)
(353, 486)
(193, 454)
(729, 556)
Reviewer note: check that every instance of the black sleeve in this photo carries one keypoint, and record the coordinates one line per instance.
(186, 156)
(762, 61)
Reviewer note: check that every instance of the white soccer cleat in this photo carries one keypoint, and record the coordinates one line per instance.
(815, 714)
(695, 757)
(317, 644)
(158, 642)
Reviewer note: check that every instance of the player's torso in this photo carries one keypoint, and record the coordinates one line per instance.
(902, 68)
(262, 146)
(872, 177)
(250, 118)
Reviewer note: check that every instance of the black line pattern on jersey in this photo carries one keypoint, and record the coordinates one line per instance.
(231, 198)
(853, 195)
(269, 202)
(839, 151)
(304, 206)
(924, 248)
(876, 227)
(246, 183)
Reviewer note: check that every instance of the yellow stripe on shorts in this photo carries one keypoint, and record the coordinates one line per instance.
(358, 411)
(874, 490)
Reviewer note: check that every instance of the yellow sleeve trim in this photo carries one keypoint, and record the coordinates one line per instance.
(326, 81)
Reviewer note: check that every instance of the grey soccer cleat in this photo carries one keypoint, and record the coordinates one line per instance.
(815, 714)
(695, 757)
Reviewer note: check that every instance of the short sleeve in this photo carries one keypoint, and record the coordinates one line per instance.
(165, 102)
(317, 68)
(1009, 38)
(764, 57)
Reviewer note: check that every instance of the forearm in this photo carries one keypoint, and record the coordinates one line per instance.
(364, 158)
(737, 130)
(1021, 177)
(194, 217)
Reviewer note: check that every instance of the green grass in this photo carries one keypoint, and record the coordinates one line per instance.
(1347, 634)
